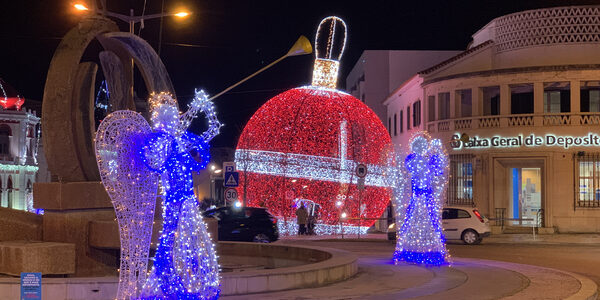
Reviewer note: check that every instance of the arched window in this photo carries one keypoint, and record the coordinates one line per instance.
(5, 133)
(9, 192)
(29, 188)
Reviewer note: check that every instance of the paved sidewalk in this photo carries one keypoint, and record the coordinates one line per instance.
(466, 278)
(557, 238)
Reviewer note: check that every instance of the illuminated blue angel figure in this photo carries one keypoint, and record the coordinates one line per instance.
(185, 265)
(420, 237)
(132, 156)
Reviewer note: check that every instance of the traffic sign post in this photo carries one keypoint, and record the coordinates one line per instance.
(231, 195)
(361, 170)
(228, 166)
(361, 183)
(231, 179)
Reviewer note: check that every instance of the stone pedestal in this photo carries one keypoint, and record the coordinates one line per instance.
(19, 225)
(105, 234)
(69, 209)
(43, 257)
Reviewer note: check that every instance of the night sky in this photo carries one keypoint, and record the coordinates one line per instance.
(224, 41)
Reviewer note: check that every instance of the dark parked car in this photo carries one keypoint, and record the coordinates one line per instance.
(245, 224)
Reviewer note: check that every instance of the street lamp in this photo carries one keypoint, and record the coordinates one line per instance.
(214, 175)
(131, 19)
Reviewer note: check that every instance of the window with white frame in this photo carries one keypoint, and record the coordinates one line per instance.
(588, 187)
(460, 181)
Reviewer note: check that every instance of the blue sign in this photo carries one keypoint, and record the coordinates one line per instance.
(31, 286)
(231, 179)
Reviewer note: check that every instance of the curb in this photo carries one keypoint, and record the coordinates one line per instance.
(588, 289)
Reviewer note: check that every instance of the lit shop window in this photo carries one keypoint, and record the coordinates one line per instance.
(460, 187)
(589, 180)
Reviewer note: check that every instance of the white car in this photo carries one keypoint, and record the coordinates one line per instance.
(459, 223)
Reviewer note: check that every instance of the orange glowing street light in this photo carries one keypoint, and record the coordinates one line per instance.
(80, 6)
(182, 14)
(131, 19)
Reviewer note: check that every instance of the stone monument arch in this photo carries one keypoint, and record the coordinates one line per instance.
(68, 103)
(77, 208)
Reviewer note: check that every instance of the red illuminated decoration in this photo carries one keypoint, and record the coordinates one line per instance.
(305, 144)
(9, 98)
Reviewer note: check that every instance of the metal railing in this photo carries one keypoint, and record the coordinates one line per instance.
(515, 120)
(499, 217)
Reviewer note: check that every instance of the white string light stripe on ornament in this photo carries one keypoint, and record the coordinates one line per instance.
(313, 167)
(290, 227)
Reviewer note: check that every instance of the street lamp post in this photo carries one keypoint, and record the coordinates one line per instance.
(131, 19)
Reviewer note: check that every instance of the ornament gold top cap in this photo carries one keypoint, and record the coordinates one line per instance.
(327, 63)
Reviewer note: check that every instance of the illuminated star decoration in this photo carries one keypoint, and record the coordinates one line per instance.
(420, 238)
(185, 265)
(305, 143)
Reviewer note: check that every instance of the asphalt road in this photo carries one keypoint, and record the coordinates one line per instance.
(583, 259)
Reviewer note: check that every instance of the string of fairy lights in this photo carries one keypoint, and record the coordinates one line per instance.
(185, 265)
(304, 143)
(420, 237)
(131, 155)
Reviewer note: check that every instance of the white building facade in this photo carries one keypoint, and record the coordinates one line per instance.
(525, 99)
(379, 72)
(19, 142)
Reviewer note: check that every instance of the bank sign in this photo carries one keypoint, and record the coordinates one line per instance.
(532, 140)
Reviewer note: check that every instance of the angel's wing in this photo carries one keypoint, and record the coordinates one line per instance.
(132, 187)
(439, 163)
(119, 140)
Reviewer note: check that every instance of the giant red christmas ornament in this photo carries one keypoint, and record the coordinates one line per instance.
(305, 143)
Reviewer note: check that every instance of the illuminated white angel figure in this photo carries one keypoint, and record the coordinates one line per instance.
(185, 265)
(420, 237)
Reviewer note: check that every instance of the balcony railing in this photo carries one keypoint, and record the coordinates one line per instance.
(521, 120)
(488, 122)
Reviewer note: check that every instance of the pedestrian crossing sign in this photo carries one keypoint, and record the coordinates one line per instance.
(232, 179)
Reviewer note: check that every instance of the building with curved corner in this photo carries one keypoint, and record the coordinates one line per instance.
(19, 146)
(519, 113)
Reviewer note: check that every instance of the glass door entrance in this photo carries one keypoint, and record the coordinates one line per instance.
(525, 196)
